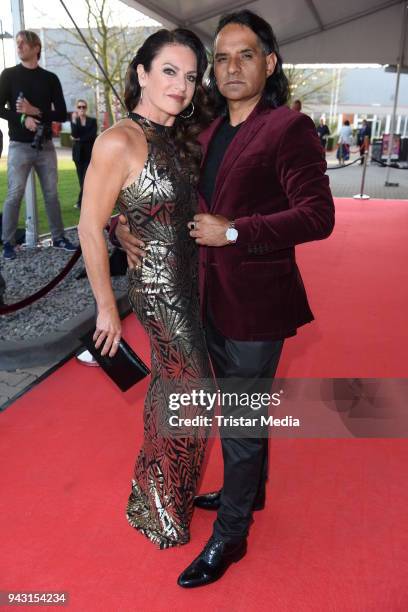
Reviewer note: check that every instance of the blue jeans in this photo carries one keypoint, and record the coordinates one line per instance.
(21, 158)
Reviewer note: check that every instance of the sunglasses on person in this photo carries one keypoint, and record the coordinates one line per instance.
(80, 106)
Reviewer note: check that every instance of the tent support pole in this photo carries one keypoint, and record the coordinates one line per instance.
(400, 62)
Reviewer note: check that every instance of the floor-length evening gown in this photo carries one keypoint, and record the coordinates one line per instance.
(163, 293)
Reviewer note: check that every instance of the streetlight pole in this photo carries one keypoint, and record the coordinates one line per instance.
(400, 62)
(3, 35)
(31, 238)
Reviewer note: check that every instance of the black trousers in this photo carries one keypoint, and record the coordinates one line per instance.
(242, 367)
(81, 168)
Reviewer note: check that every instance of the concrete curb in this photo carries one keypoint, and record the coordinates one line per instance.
(55, 346)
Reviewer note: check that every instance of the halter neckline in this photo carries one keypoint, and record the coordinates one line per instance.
(159, 127)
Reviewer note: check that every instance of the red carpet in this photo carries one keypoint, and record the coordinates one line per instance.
(333, 537)
(357, 283)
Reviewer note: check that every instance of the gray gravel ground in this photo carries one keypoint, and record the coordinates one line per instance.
(30, 271)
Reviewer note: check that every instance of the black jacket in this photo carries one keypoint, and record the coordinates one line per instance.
(82, 148)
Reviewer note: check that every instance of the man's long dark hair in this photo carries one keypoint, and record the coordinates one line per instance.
(186, 130)
(276, 92)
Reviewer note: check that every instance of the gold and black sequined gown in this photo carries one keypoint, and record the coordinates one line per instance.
(164, 295)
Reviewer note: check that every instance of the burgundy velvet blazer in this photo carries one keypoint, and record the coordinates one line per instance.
(272, 182)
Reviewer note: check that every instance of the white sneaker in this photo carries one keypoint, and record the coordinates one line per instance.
(85, 358)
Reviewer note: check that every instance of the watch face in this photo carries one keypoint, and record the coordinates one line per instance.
(232, 234)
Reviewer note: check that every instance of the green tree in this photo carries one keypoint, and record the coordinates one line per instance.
(310, 85)
(113, 45)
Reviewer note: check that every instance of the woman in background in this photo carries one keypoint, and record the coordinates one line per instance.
(83, 134)
(344, 142)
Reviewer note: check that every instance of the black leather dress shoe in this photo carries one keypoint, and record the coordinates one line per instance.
(212, 563)
(211, 501)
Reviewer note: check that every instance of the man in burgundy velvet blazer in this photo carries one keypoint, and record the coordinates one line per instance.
(262, 191)
(272, 183)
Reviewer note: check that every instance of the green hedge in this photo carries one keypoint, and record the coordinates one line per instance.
(65, 139)
(330, 143)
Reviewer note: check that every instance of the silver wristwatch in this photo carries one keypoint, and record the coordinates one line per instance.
(231, 233)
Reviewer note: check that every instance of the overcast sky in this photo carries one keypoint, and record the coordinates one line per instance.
(46, 14)
(51, 14)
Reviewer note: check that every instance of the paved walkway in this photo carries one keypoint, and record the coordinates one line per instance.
(346, 182)
(13, 383)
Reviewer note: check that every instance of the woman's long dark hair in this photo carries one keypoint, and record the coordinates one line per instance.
(276, 92)
(186, 130)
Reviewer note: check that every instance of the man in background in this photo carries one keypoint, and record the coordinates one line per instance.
(30, 99)
(323, 133)
(363, 139)
(297, 106)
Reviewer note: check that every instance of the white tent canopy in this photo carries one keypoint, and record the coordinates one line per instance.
(308, 31)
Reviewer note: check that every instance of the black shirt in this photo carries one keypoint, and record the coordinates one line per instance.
(82, 148)
(41, 88)
(323, 131)
(85, 133)
(362, 133)
(216, 151)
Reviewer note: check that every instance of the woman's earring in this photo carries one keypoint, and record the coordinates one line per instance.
(190, 114)
(141, 94)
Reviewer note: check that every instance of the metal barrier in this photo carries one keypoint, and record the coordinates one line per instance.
(393, 165)
(345, 165)
(362, 195)
(8, 308)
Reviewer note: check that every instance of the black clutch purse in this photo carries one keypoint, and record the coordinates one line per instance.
(125, 368)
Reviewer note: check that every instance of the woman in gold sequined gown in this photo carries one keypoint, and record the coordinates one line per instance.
(148, 164)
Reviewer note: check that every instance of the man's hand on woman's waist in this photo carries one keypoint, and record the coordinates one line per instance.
(129, 243)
